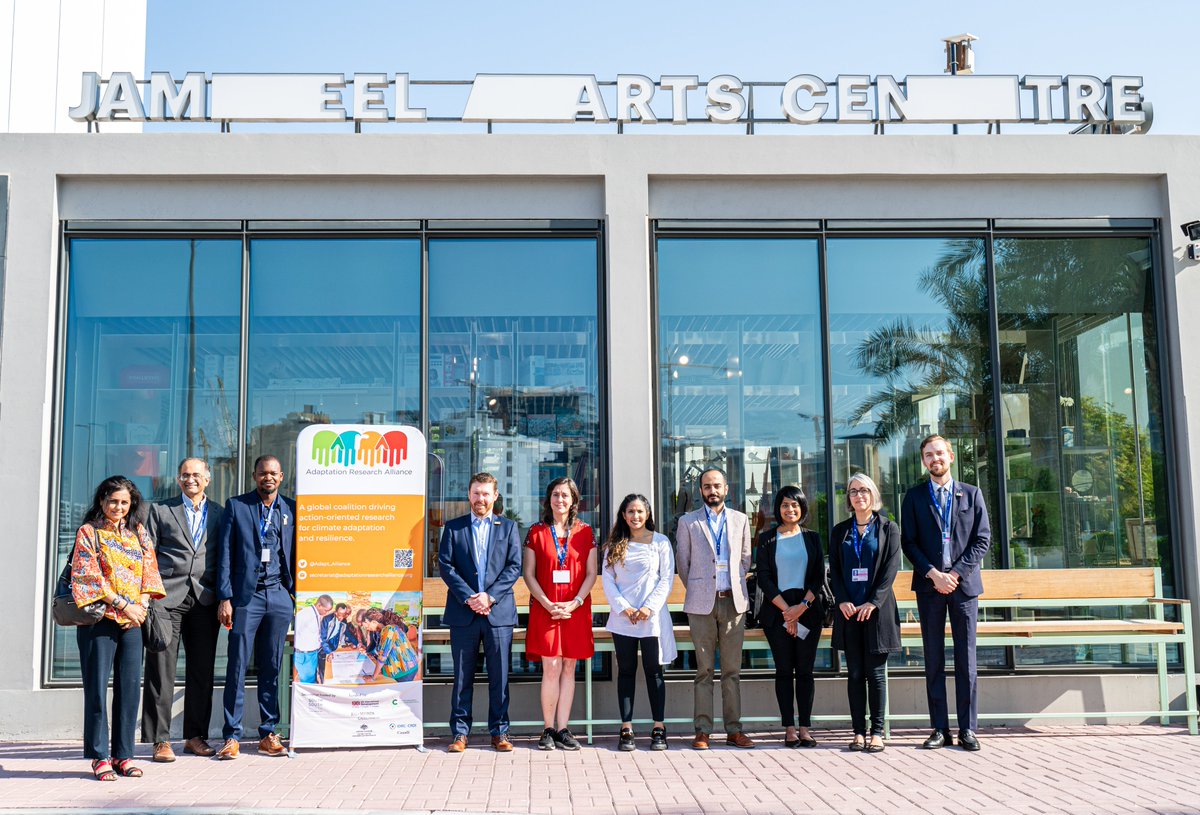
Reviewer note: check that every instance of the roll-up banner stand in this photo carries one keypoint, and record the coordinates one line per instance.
(360, 508)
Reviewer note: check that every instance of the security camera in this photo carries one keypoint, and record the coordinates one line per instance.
(1192, 230)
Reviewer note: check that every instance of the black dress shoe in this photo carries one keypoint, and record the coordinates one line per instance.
(967, 740)
(938, 738)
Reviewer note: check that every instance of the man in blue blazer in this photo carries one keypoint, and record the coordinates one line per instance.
(255, 553)
(945, 535)
(480, 559)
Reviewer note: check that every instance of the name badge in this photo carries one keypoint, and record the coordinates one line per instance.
(562, 576)
(858, 575)
(722, 566)
(266, 555)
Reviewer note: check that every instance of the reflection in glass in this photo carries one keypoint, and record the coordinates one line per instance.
(1082, 415)
(740, 378)
(152, 361)
(513, 373)
(335, 336)
(909, 348)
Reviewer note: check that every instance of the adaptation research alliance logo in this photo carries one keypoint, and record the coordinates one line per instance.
(352, 448)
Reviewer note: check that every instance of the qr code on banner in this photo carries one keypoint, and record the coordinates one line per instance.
(402, 558)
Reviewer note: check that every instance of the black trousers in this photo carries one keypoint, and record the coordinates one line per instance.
(196, 627)
(867, 679)
(794, 659)
(626, 649)
(107, 649)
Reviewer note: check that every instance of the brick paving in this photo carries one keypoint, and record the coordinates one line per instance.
(1132, 770)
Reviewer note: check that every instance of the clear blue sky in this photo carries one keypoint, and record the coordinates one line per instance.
(753, 40)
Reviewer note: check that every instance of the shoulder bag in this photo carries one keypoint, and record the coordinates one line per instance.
(63, 607)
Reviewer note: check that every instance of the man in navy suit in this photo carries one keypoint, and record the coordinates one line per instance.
(254, 586)
(945, 535)
(480, 558)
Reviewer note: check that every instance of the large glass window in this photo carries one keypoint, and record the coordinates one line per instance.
(741, 384)
(514, 379)
(1082, 415)
(909, 355)
(151, 375)
(335, 336)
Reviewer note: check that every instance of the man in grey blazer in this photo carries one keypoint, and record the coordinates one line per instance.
(185, 531)
(712, 556)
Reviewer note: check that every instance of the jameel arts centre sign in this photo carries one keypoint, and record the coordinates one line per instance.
(565, 98)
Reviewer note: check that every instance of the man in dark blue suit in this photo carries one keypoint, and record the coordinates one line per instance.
(254, 586)
(945, 535)
(480, 559)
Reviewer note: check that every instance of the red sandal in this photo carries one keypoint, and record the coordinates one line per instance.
(125, 767)
(103, 770)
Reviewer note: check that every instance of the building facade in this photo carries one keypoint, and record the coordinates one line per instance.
(623, 309)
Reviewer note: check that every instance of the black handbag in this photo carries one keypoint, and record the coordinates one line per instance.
(754, 599)
(63, 607)
(156, 630)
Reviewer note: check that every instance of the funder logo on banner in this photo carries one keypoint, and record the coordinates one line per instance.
(360, 514)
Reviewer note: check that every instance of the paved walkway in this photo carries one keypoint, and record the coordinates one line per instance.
(1133, 770)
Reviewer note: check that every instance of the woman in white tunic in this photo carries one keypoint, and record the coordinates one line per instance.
(639, 570)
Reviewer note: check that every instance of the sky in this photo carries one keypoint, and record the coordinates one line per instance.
(755, 41)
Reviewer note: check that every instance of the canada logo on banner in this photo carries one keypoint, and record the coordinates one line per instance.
(360, 515)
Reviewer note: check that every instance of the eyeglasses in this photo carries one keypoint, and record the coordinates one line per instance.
(191, 476)
(857, 493)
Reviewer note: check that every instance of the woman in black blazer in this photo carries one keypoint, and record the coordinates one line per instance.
(791, 571)
(864, 555)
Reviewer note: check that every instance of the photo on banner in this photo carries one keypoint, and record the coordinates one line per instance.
(360, 507)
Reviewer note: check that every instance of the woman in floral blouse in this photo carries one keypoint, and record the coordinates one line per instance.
(113, 562)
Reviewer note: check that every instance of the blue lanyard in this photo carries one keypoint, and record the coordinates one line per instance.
(264, 521)
(717, 534)
(560, 550)
(944, 512)
(856, 539)
(199, 530)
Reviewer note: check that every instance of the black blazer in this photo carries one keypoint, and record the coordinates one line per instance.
(970, 536)
(185, 568)
(768, 581)
(883, 629)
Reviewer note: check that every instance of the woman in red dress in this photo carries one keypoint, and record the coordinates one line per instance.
(560, 568)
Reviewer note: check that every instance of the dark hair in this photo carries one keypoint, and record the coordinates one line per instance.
(264, 459)
(618, 538)
(325, 600)
(796, 494)
(114, 483)
(707, 470)
(548, 514)
(385, 617)
(341, 606)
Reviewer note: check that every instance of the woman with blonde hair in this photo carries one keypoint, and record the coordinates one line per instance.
(864, 556)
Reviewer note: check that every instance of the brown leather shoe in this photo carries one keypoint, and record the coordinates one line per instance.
(270, 745)
(198, 747)
(739, 739)
(163, 753)
(700, 742)
(501, 744)
(229, 750)
(458, 745)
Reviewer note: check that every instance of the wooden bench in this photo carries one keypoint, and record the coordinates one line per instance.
(1024, 594)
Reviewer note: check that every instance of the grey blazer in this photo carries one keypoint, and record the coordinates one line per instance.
(696, 560)
(185, 568)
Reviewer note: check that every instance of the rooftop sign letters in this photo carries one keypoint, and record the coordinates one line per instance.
(631, 98)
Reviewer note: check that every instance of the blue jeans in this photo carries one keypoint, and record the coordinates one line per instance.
(106, 648)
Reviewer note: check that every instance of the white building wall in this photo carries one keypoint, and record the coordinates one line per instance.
(46, 45)
(625, 180)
